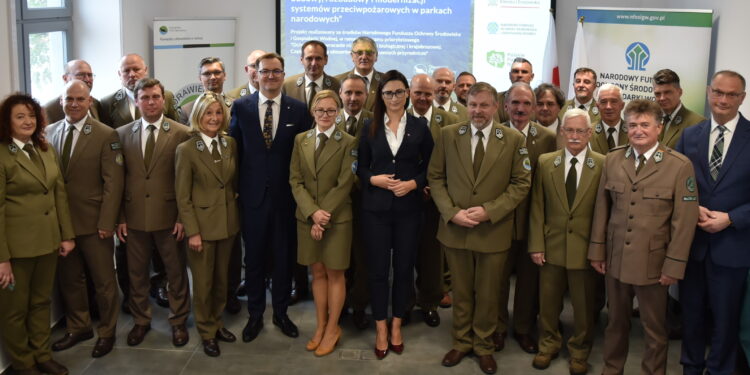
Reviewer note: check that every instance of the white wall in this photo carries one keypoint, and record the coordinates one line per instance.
(729, 48)
(7, 55)
(96, 32)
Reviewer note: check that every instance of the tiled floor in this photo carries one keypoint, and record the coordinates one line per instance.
(274, 353)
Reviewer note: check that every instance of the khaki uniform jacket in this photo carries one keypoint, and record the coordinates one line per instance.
(503, 181)
(294, 86)
(644, 225)
(34, 213)
(556, 229)
(149, 202)
(363, 118)
(683, 119)
(598, 141)
(115, 110)
(326, 184)
(207, 193)
(95, 176)
(440, 119)
(593, 111)
(371, 94)
(458, 110)
(239, 92)
(539, 141)
(53, 110)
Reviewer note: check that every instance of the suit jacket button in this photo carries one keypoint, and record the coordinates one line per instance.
(627, 243)
(630, 230)
(570, 231)
(570, 217)
(221, 186)
(46, 213)
(635, 188)
(474, 192)
(394, 161)
(632, 203)
(147, 177)
(630, 217)
(148, 195)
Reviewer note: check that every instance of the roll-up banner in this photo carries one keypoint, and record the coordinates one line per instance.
(627, 46)
(179, 46)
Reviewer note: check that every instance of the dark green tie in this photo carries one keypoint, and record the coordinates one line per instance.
(478, 153)
(322, 138)
(665, 125)
(571, 182)
(35, 158)
(312, 86)
(351, 125)
(150, 142)
(641, 163)
(215, 153)
(610, 137)
(67, 148)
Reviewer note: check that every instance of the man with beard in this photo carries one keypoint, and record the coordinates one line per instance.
(463, 84)
(444, 84)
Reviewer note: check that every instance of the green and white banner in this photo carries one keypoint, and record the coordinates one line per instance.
(627, 46)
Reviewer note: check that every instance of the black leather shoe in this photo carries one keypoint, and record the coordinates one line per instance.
(286, 325)
(103, 346)
(233, 305)
(223, 334)
(360, 320)
(70, 339)
(52, 367)
(252, 329)
(162, 298)
(431, 317)
(180, 335)
(137, 333)
(211, 348)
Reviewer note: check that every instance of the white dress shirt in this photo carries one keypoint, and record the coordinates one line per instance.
(731, 126)
(647, 154)
(394, 140)
(328, 133)
(475, 139)
(208, 141)
(144, 132)
(76, 132)
(427, 116)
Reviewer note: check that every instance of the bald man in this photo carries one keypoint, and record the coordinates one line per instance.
(251, 70)
(74, 69)
(444, 84)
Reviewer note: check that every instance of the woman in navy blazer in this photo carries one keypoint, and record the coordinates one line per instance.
(394, 152)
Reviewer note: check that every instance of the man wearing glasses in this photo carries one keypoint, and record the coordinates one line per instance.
(364, 56)
(74, 69)
(212, 76)
(714, 286)
(264, 125)
(252, 76)
(562, 206)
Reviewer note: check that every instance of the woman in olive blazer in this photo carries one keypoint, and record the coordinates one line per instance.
(35, 226)
(205, 184)
(321, 175)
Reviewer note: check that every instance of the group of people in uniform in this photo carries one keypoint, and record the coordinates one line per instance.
(365, 175)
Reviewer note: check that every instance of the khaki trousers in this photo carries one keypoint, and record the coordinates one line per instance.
(210, 284)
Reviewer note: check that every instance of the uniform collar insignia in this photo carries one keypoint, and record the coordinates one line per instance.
(454, 109)
(300, 80)
(570, 107)
(310, 133)
(87, 129)
(658, 156)
(599, 128)
(327, 82)
(337, 135)
(499, 133)
(532, 130)
(200, 145)
(523, 151)
(120, 94)
(137, 126)
(594, 110)
(677, 120)
(13, 148)
(223, 142)
(590, 163)
(623, 127)
(462, 130)
(628, 152)
(558, 161)
(243, 92)
(438, 118)
(376, 77)
(165, 125)
(338, 119)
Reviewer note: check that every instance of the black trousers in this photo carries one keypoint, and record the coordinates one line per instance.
(389, 233)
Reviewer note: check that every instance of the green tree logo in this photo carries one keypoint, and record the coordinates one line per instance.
(496, 59)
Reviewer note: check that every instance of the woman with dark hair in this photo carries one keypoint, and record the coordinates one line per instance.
(35, 227)
(321, 175)
(205, 185)
(394, 152)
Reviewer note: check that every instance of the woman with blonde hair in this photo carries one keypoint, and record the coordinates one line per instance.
(206, 199)
(321, 175)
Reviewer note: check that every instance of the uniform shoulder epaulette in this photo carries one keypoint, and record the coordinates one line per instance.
(620, 147)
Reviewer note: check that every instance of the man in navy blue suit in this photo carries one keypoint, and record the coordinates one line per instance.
(264, 125)
(714, 285)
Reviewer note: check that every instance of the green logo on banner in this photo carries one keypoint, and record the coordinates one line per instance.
(637, 56)
(496, 58)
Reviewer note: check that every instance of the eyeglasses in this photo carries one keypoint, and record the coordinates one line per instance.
(320, 112)
(267, 73)
(84, 75)
(718, 94)
(570, 131)
(400, 93)
(210, 73)
(367, 52)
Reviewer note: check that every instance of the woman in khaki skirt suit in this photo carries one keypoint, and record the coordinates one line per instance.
(35, 227)
(205, 186)
(322, 174)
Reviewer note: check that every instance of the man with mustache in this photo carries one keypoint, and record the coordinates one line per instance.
(443, 88)
(584, 85)
(520, 105)
(520, 71)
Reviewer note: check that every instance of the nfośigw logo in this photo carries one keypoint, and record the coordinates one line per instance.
(637, 56)
(163, 30)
